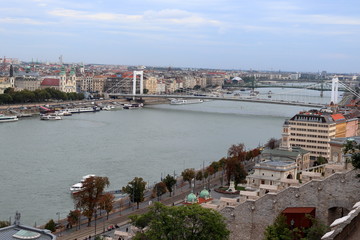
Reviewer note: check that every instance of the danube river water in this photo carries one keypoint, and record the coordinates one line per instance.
(40, 160)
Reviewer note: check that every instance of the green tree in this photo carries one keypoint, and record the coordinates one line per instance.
(352, 148)
(320, 161)
(169, 181)
(50, 226)
(279, 230)
(190, 222)
(199, 176)
(9, 91)
(5, 98)
(88, 198)
(135, 189)
(317, 229)
(4, 224)
(216, 166)
(188, 175)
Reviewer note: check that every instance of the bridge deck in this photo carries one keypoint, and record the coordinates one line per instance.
(239, 99)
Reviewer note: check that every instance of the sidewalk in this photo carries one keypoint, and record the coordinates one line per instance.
(122, 217)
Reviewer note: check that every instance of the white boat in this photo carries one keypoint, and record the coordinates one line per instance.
(4, 118)
(50, 117)
(133, 105)
(77, 187)
(185, 101)
(108, 108)
(83, 109)
(63, 113)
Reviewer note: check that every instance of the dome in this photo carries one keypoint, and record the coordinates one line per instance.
(191, 198)
(204, 194)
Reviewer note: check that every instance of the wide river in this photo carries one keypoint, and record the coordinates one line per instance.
(40, 160)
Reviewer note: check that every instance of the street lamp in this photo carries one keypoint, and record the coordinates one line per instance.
(58, 214)
(95, 222)
(104, 219)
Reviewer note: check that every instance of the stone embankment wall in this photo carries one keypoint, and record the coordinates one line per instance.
(249, 219)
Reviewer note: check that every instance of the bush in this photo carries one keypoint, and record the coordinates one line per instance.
(50, 226)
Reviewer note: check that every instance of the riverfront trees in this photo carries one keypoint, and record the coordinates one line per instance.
(39, 95)
(237, 151)
(73, 217)
(169, 181)
(4, 224)
(159, 189)
(135, 189)
(89, 197)
(184, 222)
(188, 175)
(106, 203)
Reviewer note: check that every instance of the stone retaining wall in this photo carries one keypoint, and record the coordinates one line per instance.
(249, 219)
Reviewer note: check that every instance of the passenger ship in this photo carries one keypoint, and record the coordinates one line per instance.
(4, 118)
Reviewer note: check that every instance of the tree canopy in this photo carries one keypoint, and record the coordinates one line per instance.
(190, 222)
(4, 224)
(11, 96)
(169, 181)
(279, 230)
(88, 198)
(188, 175)
(352, 148)
(135, 189)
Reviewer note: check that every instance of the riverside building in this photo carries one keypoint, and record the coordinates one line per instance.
(313, 130)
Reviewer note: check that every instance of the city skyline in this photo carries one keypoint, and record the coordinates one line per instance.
(303, 36)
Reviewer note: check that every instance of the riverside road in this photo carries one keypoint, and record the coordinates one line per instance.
(121, 218)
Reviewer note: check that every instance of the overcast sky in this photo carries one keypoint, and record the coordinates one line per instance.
(303, 35)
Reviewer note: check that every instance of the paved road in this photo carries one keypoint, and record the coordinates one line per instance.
(120, 217)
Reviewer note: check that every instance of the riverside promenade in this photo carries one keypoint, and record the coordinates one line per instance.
(121, 217)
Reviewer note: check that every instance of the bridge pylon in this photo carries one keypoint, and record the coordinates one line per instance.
(135, 74)
(335, 90)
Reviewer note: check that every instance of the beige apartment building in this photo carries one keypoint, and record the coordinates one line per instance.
(99, 83)
(150, 83)
(313, 130)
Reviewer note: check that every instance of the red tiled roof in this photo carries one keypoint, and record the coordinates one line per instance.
(50, 82)
(337, 117)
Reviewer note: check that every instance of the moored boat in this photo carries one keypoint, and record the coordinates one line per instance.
(185, 101)
(77, 187)
(83, 109)
(4, 118)
(133, 105)
(50, 117)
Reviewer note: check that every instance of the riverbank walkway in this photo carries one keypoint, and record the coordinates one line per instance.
(121, 216)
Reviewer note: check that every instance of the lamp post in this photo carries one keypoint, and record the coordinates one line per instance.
(133, 197)
(95, 223)
(104, 221)
(58, 214)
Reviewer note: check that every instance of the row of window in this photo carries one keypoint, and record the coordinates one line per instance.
(308, 140)
(309, 146)
(319, 153)
(309, 124)
(313, 130)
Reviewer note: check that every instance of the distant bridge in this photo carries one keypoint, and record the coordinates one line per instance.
(253, 99)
